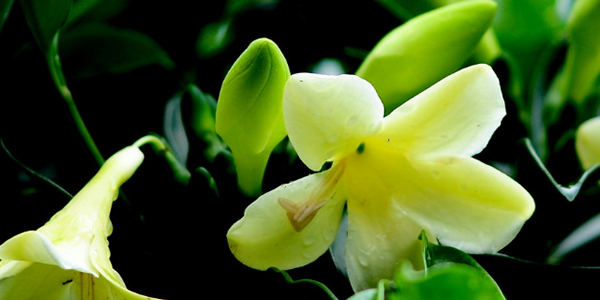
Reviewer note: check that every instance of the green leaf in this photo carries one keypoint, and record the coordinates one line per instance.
(202, 114)
(5, 8)
(174, 129)
(81, 7)
(96, 10)
(45, 19)
(436, 255)
(585, 233)
(214, 38)
(571, 191)
(449, 274)
(97, 48)
(443, 281)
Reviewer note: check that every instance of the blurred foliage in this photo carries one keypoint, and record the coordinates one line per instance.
(138, 67)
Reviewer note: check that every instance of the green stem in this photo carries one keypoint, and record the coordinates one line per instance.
(289, 280)
(181, 173)
(60, 82)
(153, 140)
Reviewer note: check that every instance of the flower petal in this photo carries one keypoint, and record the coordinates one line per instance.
(37, 281)
(456, 116)
(459, 201)
(33, 246)
(466, 203)
(265, 238)
(327, 116)
(43, 281)
(380, 236)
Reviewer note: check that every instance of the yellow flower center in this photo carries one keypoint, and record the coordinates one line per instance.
(300, 214)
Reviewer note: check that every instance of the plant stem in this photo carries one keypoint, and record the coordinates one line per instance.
(60, 82)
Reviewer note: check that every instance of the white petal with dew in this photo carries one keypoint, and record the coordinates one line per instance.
(327, 116)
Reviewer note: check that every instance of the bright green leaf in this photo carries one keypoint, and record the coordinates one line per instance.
(443, 281)
(435, 255)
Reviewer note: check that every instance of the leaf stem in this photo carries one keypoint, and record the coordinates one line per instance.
(289, 279)
(60, 82)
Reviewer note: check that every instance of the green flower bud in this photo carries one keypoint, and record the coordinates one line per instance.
(583, 55)
(425, 49)
(249, 110)
(587, 142)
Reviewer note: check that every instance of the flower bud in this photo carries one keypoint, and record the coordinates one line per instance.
(587, 143)
(583, 55)
(249, 114)
(425, 49)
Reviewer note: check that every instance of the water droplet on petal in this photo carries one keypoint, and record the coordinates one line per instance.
(363, 258)
(334, 137)
(351, 121)
(309, 240)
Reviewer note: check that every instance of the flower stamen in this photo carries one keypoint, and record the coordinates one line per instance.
(300, 214)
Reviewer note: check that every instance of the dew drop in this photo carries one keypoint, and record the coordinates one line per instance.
(362, 258)
(334, 137)
(309, 240)
(351, 121)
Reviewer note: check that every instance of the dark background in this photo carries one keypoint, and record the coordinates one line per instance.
(169, 240)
